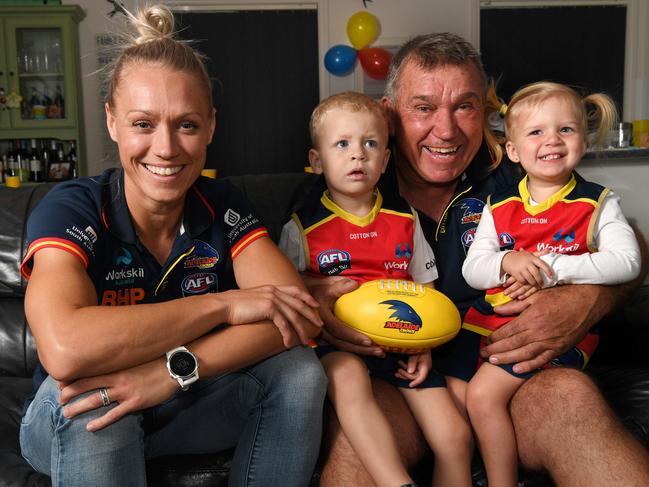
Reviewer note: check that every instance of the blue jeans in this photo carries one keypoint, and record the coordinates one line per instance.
(271, 412)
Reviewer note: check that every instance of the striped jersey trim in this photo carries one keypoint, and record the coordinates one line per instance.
(56, 243)
(242, 244)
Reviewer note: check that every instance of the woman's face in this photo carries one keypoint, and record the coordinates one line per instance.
(162, 123)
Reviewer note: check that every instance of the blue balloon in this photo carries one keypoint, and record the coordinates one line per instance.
(339, 59)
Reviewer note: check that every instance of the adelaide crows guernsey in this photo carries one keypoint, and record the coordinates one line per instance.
(325, 240)
(563, 224)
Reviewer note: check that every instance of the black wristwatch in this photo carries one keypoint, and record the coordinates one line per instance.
(182, 366)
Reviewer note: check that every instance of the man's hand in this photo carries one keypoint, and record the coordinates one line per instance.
(326, 291)
(132, 389)
(550, 322)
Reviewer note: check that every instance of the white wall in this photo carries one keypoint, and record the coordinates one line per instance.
(399, 21)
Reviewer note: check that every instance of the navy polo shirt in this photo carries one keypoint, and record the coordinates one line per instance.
(89, 218)
(451, 237)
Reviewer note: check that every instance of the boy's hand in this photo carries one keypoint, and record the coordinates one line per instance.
(417, 368)
(526, 267)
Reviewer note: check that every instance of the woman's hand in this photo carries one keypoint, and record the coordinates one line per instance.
(291, 309)
(417, 368)
(326, 291)
(133, 389)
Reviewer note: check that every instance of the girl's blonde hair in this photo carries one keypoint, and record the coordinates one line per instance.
(596, 112)
(154, 43)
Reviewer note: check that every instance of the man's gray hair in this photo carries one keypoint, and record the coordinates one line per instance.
(431, 50)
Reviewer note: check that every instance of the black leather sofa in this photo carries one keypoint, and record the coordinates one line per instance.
(621, 365)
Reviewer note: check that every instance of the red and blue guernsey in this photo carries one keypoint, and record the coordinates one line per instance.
(562, 224)
(89, 218)
(377, 245)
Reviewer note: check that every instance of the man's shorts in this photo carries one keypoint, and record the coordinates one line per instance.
(385, 368)
(461, 357)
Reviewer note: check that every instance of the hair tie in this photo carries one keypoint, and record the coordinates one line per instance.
(503, 110)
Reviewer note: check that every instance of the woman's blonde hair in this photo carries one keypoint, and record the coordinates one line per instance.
(154, 43)
(596, 112)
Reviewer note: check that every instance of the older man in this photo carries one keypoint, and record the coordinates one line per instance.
(445, 164)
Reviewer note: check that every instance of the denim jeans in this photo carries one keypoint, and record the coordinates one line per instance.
(271, 412)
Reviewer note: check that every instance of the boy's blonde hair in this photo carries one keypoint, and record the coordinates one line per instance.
(600, 118)
(349, 100)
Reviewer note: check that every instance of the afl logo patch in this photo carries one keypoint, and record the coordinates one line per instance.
(506, 241)
(198, 283)
(467, 238)
(334, 261)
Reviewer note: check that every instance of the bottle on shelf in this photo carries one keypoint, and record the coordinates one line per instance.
(21, 159)
(59, 103)
(11, 177)
(36, 105)
(72, 157)
(46, 158)
(35, 166)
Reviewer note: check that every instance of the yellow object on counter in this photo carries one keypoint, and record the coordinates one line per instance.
(12, 181)
(641, 133)
(209, 173)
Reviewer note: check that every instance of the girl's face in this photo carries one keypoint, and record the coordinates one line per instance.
(548, 139)
(162, 124)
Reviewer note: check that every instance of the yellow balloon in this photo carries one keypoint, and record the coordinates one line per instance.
(362, 29)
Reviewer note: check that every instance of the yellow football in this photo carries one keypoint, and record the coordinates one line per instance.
(399, 316)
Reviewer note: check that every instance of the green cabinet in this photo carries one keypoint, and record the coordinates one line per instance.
(39, 61)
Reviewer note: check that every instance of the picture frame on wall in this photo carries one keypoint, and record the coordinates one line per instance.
(59, 171)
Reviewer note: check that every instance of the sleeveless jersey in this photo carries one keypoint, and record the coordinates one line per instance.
(375, 246)
(562, 224)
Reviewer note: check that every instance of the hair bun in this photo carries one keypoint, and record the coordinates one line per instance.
(153, 23)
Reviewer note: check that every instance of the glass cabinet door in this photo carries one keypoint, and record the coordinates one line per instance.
(41, 72)
(4, 85)
(41, 81)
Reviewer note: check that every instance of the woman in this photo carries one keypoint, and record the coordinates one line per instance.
(119, 384)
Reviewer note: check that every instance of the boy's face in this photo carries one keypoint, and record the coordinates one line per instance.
(548, 140)
(352, 152)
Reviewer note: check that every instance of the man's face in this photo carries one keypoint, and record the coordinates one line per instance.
(438, 119)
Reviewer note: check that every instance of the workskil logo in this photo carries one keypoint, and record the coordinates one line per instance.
(334, 261)
(403, 250)
(124, 257)
(567, 235)
(404, 318)
(506, 241)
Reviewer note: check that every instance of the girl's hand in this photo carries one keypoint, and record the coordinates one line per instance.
(417, 368)
(526, 267)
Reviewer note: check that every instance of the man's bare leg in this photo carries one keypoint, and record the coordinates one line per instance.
(564, 426)
(343, 468)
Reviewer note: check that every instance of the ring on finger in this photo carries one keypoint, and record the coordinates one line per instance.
(103, 393)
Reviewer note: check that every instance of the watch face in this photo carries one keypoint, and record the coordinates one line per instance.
(182, 363)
